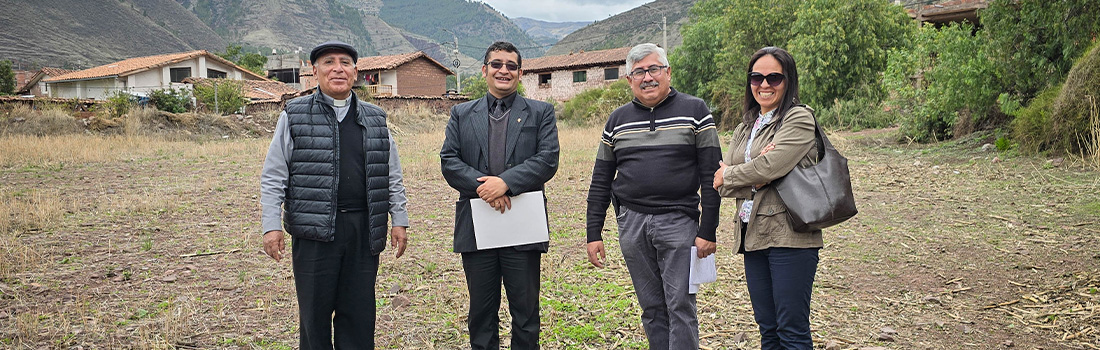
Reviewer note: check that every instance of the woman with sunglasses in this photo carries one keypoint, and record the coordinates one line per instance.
(775, 135)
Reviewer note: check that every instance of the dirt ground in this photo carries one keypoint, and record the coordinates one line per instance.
(954, 248)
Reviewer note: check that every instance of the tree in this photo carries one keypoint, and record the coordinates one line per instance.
(957, 88)
(1035, 41)
(7, 78)
(841, 45)
(249, 60)
(712, 61)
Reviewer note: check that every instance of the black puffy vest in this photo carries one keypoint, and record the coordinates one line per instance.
(310, 206)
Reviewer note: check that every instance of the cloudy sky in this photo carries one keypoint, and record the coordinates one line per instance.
(564, 10)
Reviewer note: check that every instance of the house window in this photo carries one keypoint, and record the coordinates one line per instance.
(214, 73)
(544, 80)
(580, 76)
(178, 74)
(611, 74)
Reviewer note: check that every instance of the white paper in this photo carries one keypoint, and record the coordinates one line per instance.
(702, 271)
(525, 223)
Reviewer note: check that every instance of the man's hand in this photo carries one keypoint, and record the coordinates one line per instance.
(491, 187)
(704, 247)
(398, 240)
(501, 203)
(718, 174)
(596, 253)
(274, 245)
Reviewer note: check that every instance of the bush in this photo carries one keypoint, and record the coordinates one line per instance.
(1070, 118)
(594, 105)
(221, 96)
(117, 104)
(7, 78)
(170, 100)
(864, 109)
(1031, 128)
(943, 86)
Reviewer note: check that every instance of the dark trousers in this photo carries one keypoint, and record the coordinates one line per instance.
(520, 272)
(335, 284)
(780, 281)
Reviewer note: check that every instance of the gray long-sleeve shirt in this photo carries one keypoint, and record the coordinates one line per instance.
(276, 172)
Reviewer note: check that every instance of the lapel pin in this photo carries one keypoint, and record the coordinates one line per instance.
(518, 119)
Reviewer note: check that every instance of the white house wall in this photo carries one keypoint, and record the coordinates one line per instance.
(389, 77)
(142, 82)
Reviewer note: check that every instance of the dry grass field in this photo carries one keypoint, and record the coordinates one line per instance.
(140, 240)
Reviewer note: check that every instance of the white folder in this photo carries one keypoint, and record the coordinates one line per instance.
(525, 223)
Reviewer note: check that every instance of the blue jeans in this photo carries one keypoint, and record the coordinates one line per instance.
(780, 281)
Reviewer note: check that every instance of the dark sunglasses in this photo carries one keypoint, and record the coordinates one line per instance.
(497, 64)
(773, 79)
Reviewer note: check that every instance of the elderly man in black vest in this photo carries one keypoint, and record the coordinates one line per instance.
(331, 179)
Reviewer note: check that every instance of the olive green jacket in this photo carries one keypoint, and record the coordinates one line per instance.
(794, 145)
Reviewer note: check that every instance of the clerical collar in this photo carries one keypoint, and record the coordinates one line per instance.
(340, 103)
(337, 103)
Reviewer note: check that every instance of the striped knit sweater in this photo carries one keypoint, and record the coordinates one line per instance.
(657, 160)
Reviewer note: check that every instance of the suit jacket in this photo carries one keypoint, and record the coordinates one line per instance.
(532, 157)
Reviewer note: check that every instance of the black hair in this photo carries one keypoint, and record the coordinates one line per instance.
(790, 98)
(503, 46)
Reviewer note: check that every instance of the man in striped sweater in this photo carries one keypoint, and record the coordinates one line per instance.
(655, 163)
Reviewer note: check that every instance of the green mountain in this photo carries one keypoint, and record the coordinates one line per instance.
(475, 24)
(636, 26)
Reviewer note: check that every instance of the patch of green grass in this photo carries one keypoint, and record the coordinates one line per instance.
(1090, 208)
(580, 333)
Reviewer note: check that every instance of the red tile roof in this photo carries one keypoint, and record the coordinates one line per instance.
(255, 89)
(44, 73)
(393, 61)
(576, 60)
(140, 64)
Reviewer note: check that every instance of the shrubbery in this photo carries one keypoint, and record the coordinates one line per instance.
(220, 96)
(594, 105)
(1059, 119)
(942, 83)
(170, 100)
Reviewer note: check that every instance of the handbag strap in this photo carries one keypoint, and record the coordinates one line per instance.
(822, 142)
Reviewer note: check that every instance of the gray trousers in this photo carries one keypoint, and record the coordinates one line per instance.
(657, 250)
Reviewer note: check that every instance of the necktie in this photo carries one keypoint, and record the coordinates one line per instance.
(498, 110)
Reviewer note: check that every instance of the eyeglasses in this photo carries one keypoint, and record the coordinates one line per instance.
(497, 64)
(773, 79)
(654, 71)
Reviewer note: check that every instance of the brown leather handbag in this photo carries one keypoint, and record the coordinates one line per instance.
(820, 195)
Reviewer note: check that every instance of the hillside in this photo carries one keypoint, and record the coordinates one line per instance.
(80, 34)
(545, 33)
(83, 34)
(639, 25)
(474, 23)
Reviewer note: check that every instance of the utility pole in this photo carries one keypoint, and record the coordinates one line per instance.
(664, 26)
(664, 31)
(456, 63)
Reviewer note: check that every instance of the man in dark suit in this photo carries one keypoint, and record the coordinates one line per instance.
(499, 146)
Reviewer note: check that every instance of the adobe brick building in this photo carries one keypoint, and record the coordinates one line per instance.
(409, 74)
(564, 76)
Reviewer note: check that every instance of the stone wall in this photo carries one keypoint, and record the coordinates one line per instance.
(562, 87)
